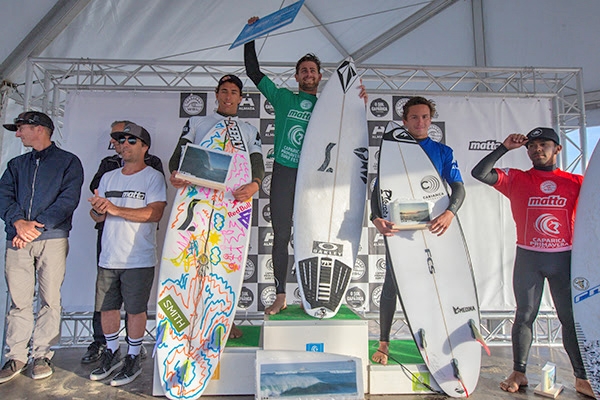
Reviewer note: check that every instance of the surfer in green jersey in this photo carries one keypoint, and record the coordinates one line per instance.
(292, 113)
(416, 117)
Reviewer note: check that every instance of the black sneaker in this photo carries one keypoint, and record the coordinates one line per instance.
(110, 362)
(130, 371)
(11, 369)
(143, 352)
(94, 353)
(42, 368)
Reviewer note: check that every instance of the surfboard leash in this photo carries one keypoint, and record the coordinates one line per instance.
(409, 372)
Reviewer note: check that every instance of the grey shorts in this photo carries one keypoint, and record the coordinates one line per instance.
(115, 287)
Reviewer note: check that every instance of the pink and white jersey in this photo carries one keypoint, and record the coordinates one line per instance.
(543, 205)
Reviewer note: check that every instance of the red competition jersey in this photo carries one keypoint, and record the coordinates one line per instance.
(543, 206)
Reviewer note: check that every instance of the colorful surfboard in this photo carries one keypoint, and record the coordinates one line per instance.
(201, 272)
(585, 272)
(434, 275)
(330, 194)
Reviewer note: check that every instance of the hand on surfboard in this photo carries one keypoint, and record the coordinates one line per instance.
(385, 227)
(176, 182)
(245, 192)
(439, 225)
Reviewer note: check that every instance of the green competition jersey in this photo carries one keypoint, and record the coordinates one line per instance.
(292, 112)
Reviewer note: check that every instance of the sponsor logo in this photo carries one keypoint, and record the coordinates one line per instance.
(547, 224)
(266, 185)
(402, 135)
(548, 187)
(548, 201)
(379, 107)
(271, 154)
(268, 239)
(460, 310)
(193, 104)
(580, 283)
(381, 264)
(315, 347)
(305, 105)
(250, 269)
(328, 249)
(242, 207)
(266, 212)
(249, 106)
(173, 313)
(268, 107)
(435, 133)
(297, 296)
(296, 135)
(359, 269)
(399, 102)
(430, 264)
(270, 265)
(355, 297)
(430, 184)
(246, 298)
(535, 133)
(486, 145)
(235, 135)
(127, 194)
(587, 294)
(376, 296)
(347, 75)
(267, 296)
(325, 165)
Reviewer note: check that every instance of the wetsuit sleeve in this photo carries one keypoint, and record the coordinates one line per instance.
(457, 197)
(484, 170)
(251, 63)
(183, 140)
(258, 166)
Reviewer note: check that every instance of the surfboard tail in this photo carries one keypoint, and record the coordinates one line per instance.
(457, 375)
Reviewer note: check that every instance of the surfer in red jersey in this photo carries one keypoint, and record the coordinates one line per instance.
(416, 117)
(292, 113)
(229, 97)
(543, 200)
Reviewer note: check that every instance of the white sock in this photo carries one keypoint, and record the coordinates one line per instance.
(112, 341)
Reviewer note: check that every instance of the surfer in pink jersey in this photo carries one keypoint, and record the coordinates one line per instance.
(292, 113)
(229, 97)
(543, 200)
(416, 118)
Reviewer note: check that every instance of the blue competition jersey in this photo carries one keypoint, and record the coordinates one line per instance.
(442, 158)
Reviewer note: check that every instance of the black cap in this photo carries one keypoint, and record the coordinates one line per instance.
(133, 130)
(31, 118)
(543, 133)
(230, 78)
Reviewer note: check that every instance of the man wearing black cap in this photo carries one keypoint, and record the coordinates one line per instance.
(130, 201)
(229, 97)
(543, 201)
(39, 191)
(96, 349)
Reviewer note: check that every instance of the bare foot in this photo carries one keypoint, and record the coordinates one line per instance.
(235, 332)
(583, 386)
(514, 382)
(278, 305)
(381, 355)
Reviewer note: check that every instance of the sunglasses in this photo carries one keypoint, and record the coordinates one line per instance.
(29, 121)
(130, 139)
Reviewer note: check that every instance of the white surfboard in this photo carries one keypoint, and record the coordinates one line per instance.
(585, 271)
(331, 193)
(201, 273)
(434, 276)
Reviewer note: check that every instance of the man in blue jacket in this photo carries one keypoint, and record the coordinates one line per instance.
(39, 191)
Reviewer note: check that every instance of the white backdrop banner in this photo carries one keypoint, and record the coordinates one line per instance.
(471, 126)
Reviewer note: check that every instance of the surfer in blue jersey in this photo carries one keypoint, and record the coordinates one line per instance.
(229, 97)
(292, 113)
(416, 117)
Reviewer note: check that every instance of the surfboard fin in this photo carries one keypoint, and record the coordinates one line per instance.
(478, 336)
(422, 342)
(456, 373)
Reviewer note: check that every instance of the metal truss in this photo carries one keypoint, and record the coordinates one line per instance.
(77, 330)
(48, 81)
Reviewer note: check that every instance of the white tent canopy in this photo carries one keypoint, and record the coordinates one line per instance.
(482, 33)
